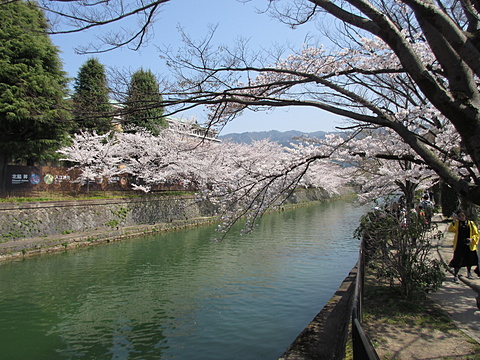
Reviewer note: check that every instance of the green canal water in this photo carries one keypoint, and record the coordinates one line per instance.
(180, 295)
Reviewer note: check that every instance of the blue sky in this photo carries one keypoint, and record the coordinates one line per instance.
(234, 19)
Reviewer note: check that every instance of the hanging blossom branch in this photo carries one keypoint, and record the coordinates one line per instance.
(331, 82)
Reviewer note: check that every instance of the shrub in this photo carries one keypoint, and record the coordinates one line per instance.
(399, 250)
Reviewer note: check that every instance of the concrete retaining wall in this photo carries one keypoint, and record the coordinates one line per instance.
(42, 219)
(28, 229)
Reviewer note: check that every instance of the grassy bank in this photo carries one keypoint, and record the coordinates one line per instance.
(92, 195)
(401, 328)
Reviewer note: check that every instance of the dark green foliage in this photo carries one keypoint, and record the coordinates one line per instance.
(400, 251)
(34, 118)
(91, 102)
(448, 200)
(144, 107)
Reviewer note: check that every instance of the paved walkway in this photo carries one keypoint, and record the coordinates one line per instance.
(458, 299)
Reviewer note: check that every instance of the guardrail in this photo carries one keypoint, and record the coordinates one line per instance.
(362, 347)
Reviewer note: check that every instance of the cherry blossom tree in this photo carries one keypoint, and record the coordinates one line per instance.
(390, 100)
(241, 180)
(244, 180)
(92, 154)
(410, 66)
(384, 165)
(152, 159)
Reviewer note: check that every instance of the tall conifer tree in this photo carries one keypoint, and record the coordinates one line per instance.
(34, 119)
(144, 103)
(91, 102)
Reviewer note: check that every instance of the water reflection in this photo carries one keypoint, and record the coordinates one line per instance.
(180, 295)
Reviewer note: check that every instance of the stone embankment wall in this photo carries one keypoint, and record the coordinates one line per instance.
(34, 227)
(42, 219)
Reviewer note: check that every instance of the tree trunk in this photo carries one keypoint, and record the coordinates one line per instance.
(3, 172)
(448, 199)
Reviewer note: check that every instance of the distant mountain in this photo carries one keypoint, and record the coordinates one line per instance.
(283, 138)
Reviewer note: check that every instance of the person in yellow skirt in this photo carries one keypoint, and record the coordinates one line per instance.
(464, 244)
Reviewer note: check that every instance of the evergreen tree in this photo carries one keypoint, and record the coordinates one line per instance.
(91, 103)
(34, 119)
(144, 103)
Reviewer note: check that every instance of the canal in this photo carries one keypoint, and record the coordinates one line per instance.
(180, 295)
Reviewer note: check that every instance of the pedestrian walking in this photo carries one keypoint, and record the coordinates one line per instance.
(464, 244)
(426, 207)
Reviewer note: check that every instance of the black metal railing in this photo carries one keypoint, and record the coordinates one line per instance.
(362, 347)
